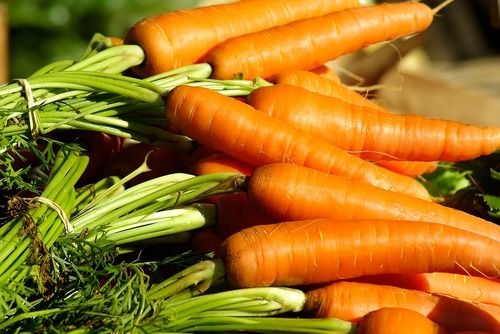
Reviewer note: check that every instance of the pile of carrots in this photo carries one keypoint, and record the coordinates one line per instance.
(332, 201)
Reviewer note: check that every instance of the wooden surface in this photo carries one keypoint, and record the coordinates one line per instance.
(4, 49)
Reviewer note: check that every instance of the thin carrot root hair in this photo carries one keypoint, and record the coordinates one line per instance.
(442, 5)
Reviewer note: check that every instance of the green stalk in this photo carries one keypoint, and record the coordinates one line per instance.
(64, 176)
(22, 251)
(54, 67)
(125, 56)
(121, 52)
(86, 194)
(144, 188)
(137, 89)
(268, 301)
(269, 325)
(55, 183)
(196, 279)
(172, 194)
(27, 315)
(131, 195)
(97, 81)
(50, 226)
(161, 223)
(201, 70)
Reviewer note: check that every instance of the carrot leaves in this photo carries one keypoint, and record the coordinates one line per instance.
(471, 186)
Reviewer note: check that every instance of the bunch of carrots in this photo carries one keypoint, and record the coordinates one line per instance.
(330, 199)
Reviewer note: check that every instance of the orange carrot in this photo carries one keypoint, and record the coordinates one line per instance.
(218, 163)
(102, 148)
(410, 168)
(116, 40)
(291, 192)
(240, 131)
(473, 332)
(309, 43)
(318, 84)
(326, 72)
(235, 213)
(323, 250)
(471, 288)
(397, 320)
(351, 301)
(161, 161)
(174, 39)
(205, 241)
(373, 133)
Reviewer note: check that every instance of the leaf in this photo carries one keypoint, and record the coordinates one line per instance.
(493, 204)
(446, 180)
(495, 174)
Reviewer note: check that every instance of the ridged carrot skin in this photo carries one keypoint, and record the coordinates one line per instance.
(326, 72)
(372, 133)
(219, 163)
(291, 192)
(410, 168)
(397, 320)
(309, 43)
(235, 213)
(251, 136)
(205, 241)
(174, 39)
(351, 301)
(314, 251)
(475, 289)
(315, 81)
(320, 84)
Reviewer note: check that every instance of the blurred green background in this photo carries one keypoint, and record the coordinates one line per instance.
(42, 31)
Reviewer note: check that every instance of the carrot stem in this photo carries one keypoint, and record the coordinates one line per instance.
(196, 278)
(161, 223)
(271, 301)
(270, 325)
(139, 203)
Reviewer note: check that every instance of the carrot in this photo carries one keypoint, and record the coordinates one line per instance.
(319, 84)
(352, 301)
(242, 132)
(397, 320)
(173, 39)
(373, 133)
(291, 192)
(473, 332)
(218, 163)
(161, 161)
(116, 40)
(410, 168)
(205, 241)
(313, 82)
(471, 288)
(101, 148)
(235, 213)
(313, 251)
(325, 72)
(311, 42)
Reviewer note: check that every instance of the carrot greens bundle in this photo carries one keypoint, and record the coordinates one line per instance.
(155, 208)
(93, 94)
(35, 225)
(105, 294)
